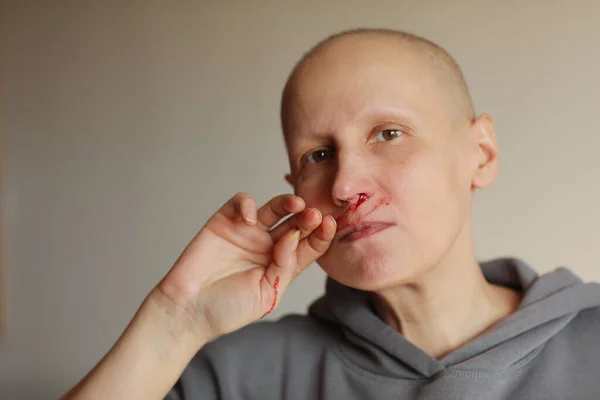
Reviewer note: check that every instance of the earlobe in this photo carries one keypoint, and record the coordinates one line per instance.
(487, 159)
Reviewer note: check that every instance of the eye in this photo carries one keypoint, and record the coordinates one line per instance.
(319, 156)
(386, 135)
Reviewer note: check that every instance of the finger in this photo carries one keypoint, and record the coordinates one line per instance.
(242, 206)
(306, 222)
(277, 208)
(281, 271)
(316, 244)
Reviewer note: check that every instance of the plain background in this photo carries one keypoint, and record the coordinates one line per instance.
(126, 124)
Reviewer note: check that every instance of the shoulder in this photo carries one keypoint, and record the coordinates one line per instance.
(582, 331)
(587, 319)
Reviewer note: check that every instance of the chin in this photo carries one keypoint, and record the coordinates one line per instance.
(372, 272)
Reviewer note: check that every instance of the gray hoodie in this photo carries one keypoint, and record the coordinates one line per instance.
(548, 349)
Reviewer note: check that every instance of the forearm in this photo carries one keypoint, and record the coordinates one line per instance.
(148, 359)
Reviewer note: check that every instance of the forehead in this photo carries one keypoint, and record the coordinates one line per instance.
(357, 81)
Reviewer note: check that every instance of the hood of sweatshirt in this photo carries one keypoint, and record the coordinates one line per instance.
(550, 302)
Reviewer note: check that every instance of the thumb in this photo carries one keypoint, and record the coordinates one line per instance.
(280, 273)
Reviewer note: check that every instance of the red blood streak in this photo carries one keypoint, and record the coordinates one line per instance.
(353, 207)
(275, 286)
(345, 221)
(382, 202)
(361, 199)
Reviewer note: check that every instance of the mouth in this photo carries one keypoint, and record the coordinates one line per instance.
(362, 230)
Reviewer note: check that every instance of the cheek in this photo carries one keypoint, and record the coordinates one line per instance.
(437, 202)
(315, 189)
(402, 179)
(424, 188)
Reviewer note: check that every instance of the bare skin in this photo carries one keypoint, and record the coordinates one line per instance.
(384, 169)
(365, 119)
(231, 274)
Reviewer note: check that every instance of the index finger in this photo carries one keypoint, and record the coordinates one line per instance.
(277, 208)
(242, 205)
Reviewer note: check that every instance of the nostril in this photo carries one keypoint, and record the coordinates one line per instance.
(361, 199)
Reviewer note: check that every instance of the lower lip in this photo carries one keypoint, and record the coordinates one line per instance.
(363, 233)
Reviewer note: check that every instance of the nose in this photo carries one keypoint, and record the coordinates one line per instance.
(352, 180)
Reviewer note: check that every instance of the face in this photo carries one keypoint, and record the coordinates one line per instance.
(372, 143)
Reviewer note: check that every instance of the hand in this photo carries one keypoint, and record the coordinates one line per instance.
(237, 267)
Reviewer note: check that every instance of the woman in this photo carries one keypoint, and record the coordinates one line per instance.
(385, 154)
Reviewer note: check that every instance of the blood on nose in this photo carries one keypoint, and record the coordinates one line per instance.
(353, 207)
(361, 199)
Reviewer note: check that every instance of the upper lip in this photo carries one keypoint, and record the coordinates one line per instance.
(360, 225)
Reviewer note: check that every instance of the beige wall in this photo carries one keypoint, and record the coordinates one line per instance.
(127, 125)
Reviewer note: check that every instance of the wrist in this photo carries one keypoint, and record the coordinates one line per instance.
(180, 320)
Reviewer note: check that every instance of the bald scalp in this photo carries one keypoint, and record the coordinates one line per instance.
(441, 65)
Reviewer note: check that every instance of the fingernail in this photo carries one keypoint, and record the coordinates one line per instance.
(296, 240)
(250, 218)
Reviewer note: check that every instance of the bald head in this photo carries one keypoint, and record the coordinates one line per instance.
(386, 116)
(425, 57)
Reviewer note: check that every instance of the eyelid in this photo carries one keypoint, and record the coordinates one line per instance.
(391, 126)
(303, 159)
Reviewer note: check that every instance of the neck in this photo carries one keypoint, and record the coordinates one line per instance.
(448, 306)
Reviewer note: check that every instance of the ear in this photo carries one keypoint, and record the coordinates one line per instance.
(486, 168)
(288, 178)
